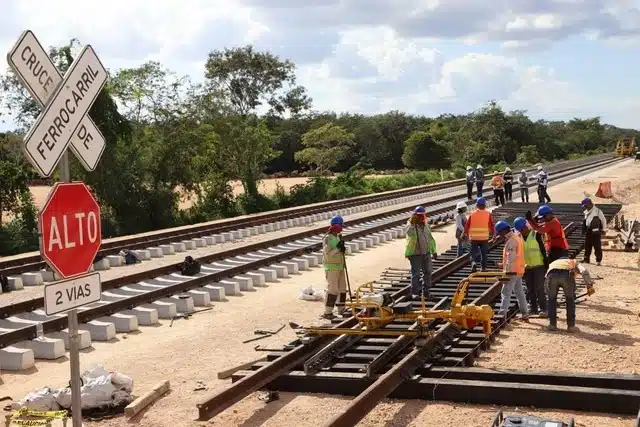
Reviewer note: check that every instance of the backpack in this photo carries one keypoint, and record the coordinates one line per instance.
(190, 267)
(129, 257)
(4, 283)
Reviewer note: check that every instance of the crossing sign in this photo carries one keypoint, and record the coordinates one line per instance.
(65, 101)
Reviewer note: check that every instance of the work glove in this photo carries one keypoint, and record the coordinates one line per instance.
(529, 216)
(341, 246)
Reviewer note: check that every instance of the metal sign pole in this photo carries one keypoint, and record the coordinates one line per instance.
(74, 345)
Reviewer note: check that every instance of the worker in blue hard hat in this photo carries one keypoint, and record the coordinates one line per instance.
(479, 229)
(333, 249)
(535, 260)
(419, 248)
(546, 223)
(513, 266)
(594, 226)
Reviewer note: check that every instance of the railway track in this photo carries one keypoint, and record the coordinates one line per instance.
(143, 298)
(166, 242)
(376, 366)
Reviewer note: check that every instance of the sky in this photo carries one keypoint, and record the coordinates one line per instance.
(557, 59)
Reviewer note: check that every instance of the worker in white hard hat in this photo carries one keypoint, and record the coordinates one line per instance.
(508, 184)
(523, 180)
(471, 179)
(543, 181)
(461, 220)
(479, 180)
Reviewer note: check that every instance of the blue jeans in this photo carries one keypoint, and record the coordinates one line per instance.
(479, 253)
(514, 284)
(461, 248)
(557, 279)
(479, 186)
(420, 264)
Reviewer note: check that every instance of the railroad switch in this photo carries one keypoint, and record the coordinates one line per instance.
(527, 421)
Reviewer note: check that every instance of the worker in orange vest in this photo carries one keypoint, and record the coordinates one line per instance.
(479, 229)
(512, 264)
(497, 183)
(555, 240)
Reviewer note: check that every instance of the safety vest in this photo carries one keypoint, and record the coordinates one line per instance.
(558, 239)
(411, 242)
(519, 263)
(332, 257)
(532, 255)
(479, 225)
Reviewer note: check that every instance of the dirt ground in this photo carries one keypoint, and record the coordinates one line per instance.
(196, 349)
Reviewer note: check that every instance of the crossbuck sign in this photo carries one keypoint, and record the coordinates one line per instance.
(65, 103)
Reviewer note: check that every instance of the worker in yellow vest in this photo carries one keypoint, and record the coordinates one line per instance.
(513, 266)
(333, 249)
(562, 274)
(535, 258)
(419, 248)
(479, 229)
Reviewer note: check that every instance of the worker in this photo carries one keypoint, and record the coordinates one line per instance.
(479, 229)
(419, 248)
(513, 265)
(543, 181)
(497, 183)
(561, 274)
(333, 249)
(508, 184)
(555, 240)
(479, 180)
(523, 180)
(471, 179)
(594, 227)
(535, 260)
(461, 220)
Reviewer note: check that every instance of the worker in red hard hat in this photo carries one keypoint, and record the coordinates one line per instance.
(555, 240)
(593, 227)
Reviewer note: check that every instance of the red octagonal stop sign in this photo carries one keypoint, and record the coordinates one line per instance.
(70, 230)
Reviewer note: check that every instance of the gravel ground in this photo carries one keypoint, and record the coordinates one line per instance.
(196, 349)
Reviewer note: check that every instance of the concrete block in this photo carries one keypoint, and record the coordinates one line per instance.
(237, 234)
(179, 246)
(349, 248)
(189, 245)
(44, 348)
(281, 270)
(15, 283)
(256, 230)
(381, 236)
(210, 240)
(144, 254)
(31, 279)
(258, 278)
(292, 267)
(270, 274)
(146, 316)
(359, 244)
(49, 275)
(375, 239)
(156, 252)
(85, 338)
(200, 298)
(100, 331)
(230, 287)
(291, 223)
(268, 228)
(167, 249)
(183, 305)
(401, 233)
(244, 232)
(311, 259)
(122, 322)
(165, 309)
(16, 359)
(303, 264)
(216, 293)
(200, 242)
(394, 233)
(246, 283)
(227, 236)
(368, 241)
(101, 265)
(115, 260)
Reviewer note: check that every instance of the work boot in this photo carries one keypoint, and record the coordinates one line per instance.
(551, 328)
(542, 315)
(598, 263)
(474, 268)
(328, 316)
(572, 329)
(586, 261)
(328, 306)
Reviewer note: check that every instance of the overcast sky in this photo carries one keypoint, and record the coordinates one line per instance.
(555, 58)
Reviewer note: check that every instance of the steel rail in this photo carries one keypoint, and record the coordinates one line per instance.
(18, 265)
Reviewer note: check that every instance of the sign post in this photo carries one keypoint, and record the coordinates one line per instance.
(70, 233)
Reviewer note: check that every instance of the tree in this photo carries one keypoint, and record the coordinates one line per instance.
(325, 146)
(14, 175)
(422, 152)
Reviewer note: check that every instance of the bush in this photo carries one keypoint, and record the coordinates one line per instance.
(21, 233)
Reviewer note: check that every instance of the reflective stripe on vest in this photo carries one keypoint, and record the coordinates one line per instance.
(532, 255)
(331, 261)
(479, 225)
(519, 263)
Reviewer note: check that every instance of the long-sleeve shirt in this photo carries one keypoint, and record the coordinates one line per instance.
(425, 243)
(589, 216)
(508, 177)
(543, 179)
(510, 252)
(479, 175)
(523, 179)
(553, 232)
(471, 176)
(461, 221)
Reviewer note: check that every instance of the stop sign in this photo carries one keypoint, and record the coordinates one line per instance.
(70, 230)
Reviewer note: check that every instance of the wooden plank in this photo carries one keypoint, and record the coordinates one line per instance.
(146, 399)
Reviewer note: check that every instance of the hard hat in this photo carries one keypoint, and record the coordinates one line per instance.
(479, 167)
(519, 223)
(337, 220)
(419, 210)
(523, 171)
(501, 226)
(461, 205)
(543, 210)
(469, 168)
(481, 202)
(585, 201)
(539, 168)
(507, 169)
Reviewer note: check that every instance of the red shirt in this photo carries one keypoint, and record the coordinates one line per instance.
(553, 234)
